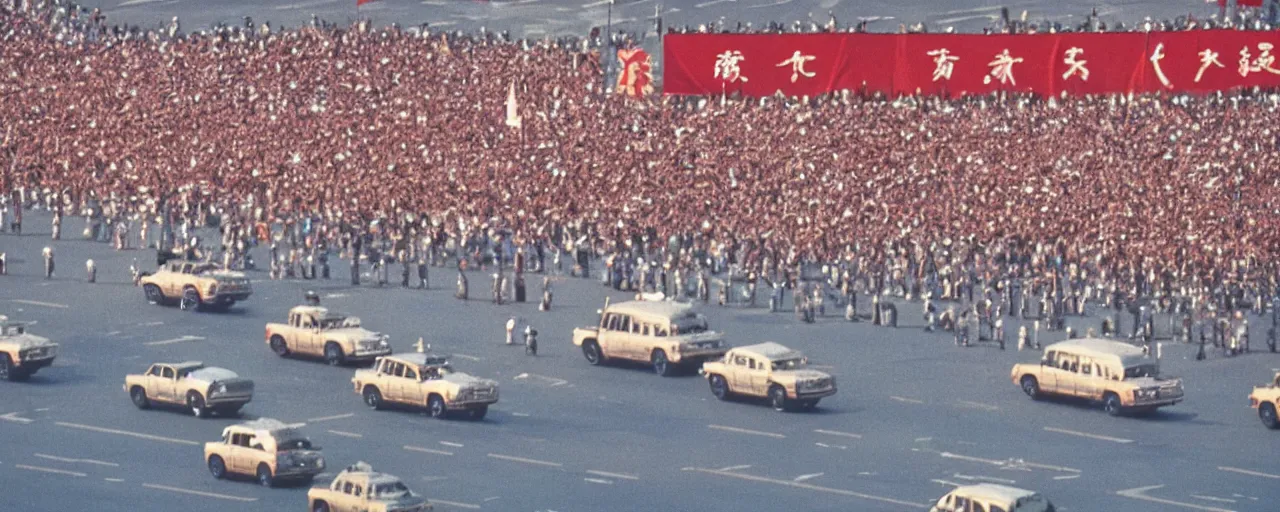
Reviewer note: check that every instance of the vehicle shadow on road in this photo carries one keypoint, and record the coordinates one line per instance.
(1162, 415)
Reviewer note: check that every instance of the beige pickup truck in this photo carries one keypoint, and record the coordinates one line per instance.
(1114, 373)
(319, 332)
(195, 285)
(202, 389)
(666, 335)
(1266, 399)
(426, 381)
(769, 370)
(22, 353)
(359, 488)
(266, 449)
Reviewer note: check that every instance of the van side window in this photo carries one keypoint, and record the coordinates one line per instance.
(624, 323)
(1050, 358)
(1086, 366)
(977, 507)
(998, 508)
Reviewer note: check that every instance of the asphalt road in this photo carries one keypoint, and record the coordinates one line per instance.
(915, 414)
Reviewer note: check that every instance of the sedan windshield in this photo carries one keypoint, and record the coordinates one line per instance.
(788, 364)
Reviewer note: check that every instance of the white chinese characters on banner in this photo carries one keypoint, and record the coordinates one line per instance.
(1208, 57)
(1002, 68)
(727, 66)
(1264, 62)
(1156, 57)
(796, 62)
(1076, 66)
(945, 62)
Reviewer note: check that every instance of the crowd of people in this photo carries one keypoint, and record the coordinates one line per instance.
(395, 143)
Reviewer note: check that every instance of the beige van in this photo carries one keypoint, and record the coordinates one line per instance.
(992, 498)
(1117, 375)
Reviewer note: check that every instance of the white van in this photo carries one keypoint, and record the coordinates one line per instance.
(992, 498)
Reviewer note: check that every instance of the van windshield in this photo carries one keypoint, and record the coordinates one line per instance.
(690, 324)
(1142, 370)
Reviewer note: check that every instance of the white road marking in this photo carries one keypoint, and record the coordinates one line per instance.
(746, 431)
(327, 418)
(1139, 493)
(491, 498)
(810, 487)
(923, 439)
(1212, 498)
(42, 409)
(151, 324)
(520, 414)
(734, 468)
(38, 303)
(596, 4)
(307, 5)
(1088, 435)
(1066, 477)
(946, 482)
(770, 4)
(467, 357)
(1248, 472)
(126, 433)
(345, 434)
(554, 381)
(1008, 464)
(810, 476)
(49, 470)
(907, 400)
(838, 433)
(199, 493)
(984, 478)
(524, 460)
(598, 481)
(175, 340)
(113, 333)
(86, 461)
(426, 450)
(840, 446)
(453, 503)
(13, 417)
(711, 3)
(977, 405)
(966, 18)
(114, 480)
(623, 476)
(973, 11)
(455, 445)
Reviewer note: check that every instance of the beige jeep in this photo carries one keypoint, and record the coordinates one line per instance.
(426, 381)
(316, 331)
(1118, 375)
(1266, 399)
(266, 449)
(194, 285)
(359, 488)
(22, 353)
(772, 371)
(662, 334)
(202, 389)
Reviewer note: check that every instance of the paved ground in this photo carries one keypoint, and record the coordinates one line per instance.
(915, 414)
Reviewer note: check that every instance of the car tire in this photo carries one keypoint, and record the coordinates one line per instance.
(139, 397)
(436, 407)
(1031, 387)
(195, 402)
(661, 365)
(217, 467)
(8, 371)
(279, 346)
(333, 354)
(320, 506)
(152, 293)
(264, 476)
(190, 300)
(1111, 404)
(478, 413)
(719, 387)
(1267, 413)
(372, 398)
(591, 351)
(778, 398)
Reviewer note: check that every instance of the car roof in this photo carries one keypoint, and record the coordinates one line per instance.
(267, 425)
(420, 358)
(1100, 348)
(663, 309)
(769, 350)
(993, 492)
(184, 364)
(319, 311)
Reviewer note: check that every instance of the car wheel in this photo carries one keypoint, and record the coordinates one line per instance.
(1031, 387)
(278, 345)
(196, 403)
(264, 476)
(435, 406)
(1111, 404)
(591, 351)
(217, 467)
(478, 413)
(320, 506)
(7, 371)
(660, 364)
(778, 398)
(190, 300)
(152, 293)
(719, 387)
(139, 397)
(373, 398)
(1267, 413)
(333, 354)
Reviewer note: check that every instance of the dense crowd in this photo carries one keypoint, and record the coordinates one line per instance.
(363, 133)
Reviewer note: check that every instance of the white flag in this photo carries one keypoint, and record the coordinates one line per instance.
(513, 111)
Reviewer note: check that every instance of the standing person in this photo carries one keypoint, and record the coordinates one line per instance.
(356, 244)
(15, 224)
(461, 292)
(423, 255)
(403, 256)
(57, 223)
(546, 294)
(48, 262)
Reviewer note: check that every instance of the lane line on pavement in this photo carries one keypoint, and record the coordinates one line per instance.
(734, 468)
(809, 476)
(980, 478)
(455, 445)
(13, 417)
(454, 504)
(1139, 493)
(598, 481)
(1088, 435)
(328, 418)
(86, 461)
(1011, 463)
(1212, 498)
(554, 381)
(520, 414)
(38, 303)
(623, 476)
(1248, 472)
(746, 431)
(345, 434)
(838, 433)
(200, 493)
(43, 469)
(1066, 477)
(114, 480)
(467, 357)
(978, 405)
(148, 437)
(175, 340)
(426, 450)
(524, 460)
(907, 400)
(825, 445)
(809, 487)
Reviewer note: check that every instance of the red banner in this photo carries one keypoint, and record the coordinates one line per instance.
(960, 64)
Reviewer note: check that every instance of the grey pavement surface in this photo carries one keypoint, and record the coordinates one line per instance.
(915, 414)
